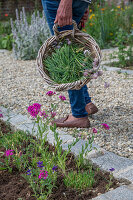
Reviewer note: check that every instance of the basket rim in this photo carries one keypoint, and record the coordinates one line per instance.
(53, 38)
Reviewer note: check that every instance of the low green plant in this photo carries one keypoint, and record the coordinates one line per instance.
(80, 180)
(60, 154)
(125, 50)
(6, 42)
(84, 151)
(6, 38)
(110, 180)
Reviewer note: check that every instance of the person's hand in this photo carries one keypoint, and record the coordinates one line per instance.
(84, 19)
(64, 13)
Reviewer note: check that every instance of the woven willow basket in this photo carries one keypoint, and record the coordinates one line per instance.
(76, 36)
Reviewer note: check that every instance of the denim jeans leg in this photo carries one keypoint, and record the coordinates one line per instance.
(77, 102)
(86, 95)
(50, 9)
(78, 98)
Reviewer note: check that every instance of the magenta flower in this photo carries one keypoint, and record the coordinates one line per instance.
(37, 106)
(106, 126)
(53, 114)
(43, 174)
(34, 109)
(106, 85)
(94, 130)
(43, 114)
(8, 153)
(112, 169)
(1, 115)
(63, 98)
(50, 93)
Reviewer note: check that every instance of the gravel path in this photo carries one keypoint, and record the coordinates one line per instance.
(22, 85)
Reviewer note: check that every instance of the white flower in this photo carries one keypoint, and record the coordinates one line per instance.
(86, 53)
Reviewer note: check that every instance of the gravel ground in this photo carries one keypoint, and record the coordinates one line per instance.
(22, 85)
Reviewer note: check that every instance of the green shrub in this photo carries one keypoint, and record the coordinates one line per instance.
(105, 21)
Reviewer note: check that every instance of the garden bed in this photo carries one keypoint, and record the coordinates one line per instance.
(18, 186)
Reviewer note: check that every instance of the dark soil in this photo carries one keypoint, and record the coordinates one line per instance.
(14, 186)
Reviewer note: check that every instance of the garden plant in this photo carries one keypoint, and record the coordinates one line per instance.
(43, 165)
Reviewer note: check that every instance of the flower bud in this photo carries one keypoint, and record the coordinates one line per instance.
(106, 85)
(100, 73)
(85, 74)
(94, 76)
(96, 61)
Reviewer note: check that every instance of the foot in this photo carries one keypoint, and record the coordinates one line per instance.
(91, 108)
(72, 122)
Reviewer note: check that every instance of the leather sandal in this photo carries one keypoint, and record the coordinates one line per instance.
(80, 123)
(91, 108)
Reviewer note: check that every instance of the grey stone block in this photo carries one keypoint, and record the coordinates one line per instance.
(7, 113)
(78, 147)
(19, 120)
(109, 160)
(116, 69)
(66, 139)
(125, 174)
(120, 193)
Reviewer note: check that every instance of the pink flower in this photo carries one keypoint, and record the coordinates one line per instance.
(43, 174)
(37, 106)
(106, 126)
(43, 114)
(63, 98)
(1, 115)
(94, 130)
(34, 109)
(8, 153)
(53, 114)
(50, 93)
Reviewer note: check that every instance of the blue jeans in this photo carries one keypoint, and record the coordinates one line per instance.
(78, 98)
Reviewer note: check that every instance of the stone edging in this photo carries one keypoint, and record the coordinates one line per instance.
(100, 157)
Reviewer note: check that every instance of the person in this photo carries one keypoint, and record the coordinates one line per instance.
(62, 12)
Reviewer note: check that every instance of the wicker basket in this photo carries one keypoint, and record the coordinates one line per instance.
(77, 36)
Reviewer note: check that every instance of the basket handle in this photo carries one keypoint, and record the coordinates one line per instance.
(56, 32)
